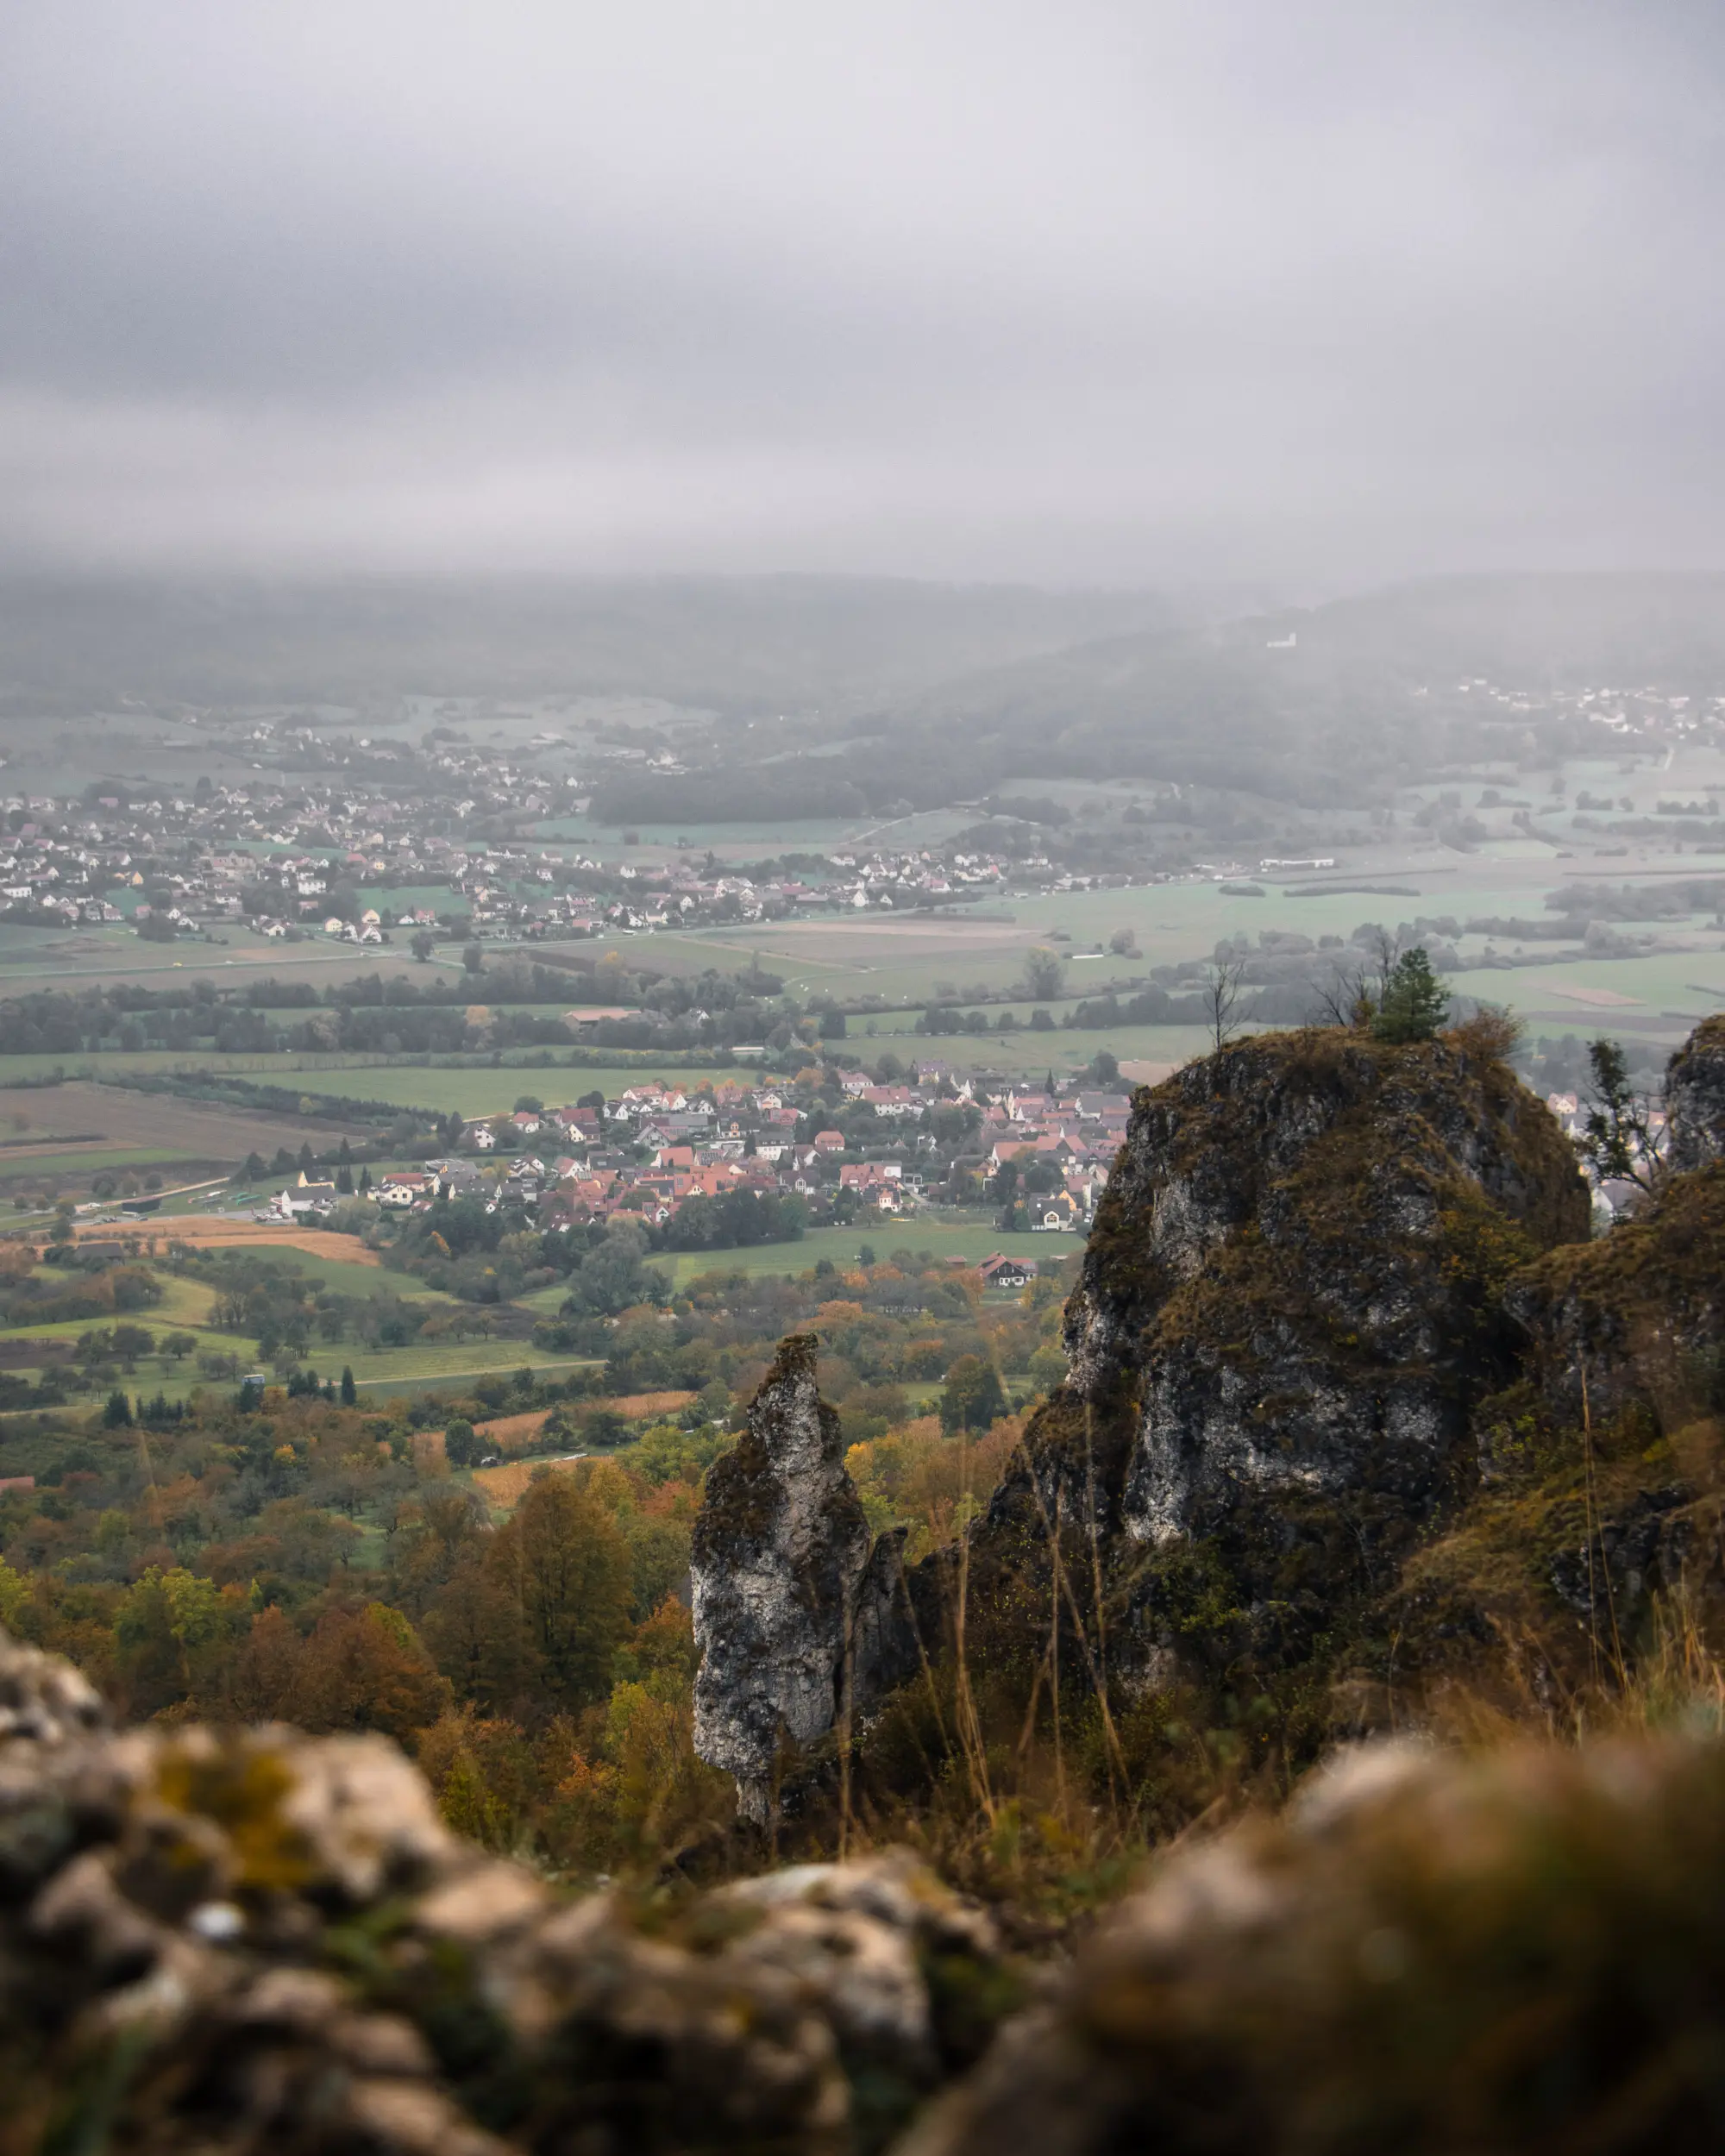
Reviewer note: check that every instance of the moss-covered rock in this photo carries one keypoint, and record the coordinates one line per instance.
(253, 1943)
(1695, 1098)
(1600, 1467)
(1293, 1297)
(1641, 1312)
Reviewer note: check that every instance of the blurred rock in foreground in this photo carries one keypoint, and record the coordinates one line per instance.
(1427, 1954)
(256, 1941)
(260, 1944)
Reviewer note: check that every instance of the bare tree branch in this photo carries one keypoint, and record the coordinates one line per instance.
(1354, 991)
(1338, 1000)
(1221, 999)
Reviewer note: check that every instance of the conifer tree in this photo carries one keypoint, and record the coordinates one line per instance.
(1414, 1003)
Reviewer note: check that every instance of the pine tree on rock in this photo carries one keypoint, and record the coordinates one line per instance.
(1414, 1004)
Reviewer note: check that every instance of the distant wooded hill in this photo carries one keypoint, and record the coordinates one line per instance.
(733, 645)
(1366, 693)
(902, 695)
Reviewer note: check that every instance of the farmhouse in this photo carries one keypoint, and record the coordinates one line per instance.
(306, 1196)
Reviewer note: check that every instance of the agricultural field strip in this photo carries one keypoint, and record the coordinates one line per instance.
(1170, 920)
(511, 1355)
(969, 1240)
(207, 1232)
(163, 1123)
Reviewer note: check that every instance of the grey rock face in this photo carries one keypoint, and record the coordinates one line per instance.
(1695, 1098)
(1283, 1295)
(883, 1639)
(781, 1564)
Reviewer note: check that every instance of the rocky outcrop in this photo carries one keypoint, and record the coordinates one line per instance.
(1695, 1098)
(258, 1944)
(1641, 1312)
(788, 1596)
(1310, 1269)
(1597, 1534)
(1428, 1953)
(1291, 1298)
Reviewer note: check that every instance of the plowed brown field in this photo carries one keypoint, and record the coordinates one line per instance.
(204, 1231)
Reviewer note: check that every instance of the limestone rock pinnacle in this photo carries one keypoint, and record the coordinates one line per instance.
(781, 1548)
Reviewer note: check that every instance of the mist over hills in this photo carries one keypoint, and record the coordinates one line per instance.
(783, 642)
(1320, 705)
(1313, 704)
(893, 695)
(1627, 629)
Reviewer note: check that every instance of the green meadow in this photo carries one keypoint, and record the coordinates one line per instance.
(969, 1240)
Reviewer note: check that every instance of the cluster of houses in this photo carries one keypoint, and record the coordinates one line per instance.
(1061, 1149)
(272, 857)
(651, 1148)
(654, 1146)
(396, 820)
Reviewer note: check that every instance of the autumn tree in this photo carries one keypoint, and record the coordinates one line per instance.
(367, 1669)
(973, 1398)
(168, 1629)
(258, 1683)
(476, 1630)
(434, 1537)
(571, 1574)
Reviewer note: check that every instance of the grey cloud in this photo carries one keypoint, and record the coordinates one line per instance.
(1119, 291)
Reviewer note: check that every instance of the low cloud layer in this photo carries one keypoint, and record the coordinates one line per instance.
(1117, 292)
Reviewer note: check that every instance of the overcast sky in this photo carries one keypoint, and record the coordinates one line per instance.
(1096, 290)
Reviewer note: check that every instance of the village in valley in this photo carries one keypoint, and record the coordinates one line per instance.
(890, 1151)
(513, 1010)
